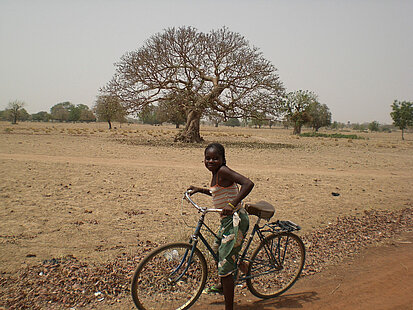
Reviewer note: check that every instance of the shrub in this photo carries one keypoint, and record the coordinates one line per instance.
(334, 135)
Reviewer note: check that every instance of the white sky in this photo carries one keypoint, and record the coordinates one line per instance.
(356, 55)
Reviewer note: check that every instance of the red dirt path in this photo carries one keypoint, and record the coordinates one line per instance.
(379, 278)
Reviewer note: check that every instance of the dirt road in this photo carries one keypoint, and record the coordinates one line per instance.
(379, 278)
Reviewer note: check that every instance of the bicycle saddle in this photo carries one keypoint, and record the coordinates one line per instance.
(262, 209)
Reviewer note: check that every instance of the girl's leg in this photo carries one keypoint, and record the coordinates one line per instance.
(228, 286)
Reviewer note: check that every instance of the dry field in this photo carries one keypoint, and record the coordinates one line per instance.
(85, 191)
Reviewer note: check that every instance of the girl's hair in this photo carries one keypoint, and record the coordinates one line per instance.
(220, 149)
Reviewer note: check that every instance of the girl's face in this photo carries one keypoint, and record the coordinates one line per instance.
(213, 160)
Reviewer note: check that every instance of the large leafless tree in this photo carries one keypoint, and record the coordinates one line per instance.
(216, 71)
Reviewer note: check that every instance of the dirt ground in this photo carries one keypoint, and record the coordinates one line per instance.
(81, 190)
(378, 278)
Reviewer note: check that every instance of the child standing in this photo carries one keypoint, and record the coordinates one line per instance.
(234, 219)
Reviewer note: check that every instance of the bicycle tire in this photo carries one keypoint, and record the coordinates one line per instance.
(270, 276)
(154, 284)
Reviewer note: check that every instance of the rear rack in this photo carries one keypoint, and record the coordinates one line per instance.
(279, 226)
(288, 225)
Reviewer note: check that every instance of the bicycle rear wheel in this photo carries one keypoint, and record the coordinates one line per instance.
(165, 279)
(275, 265)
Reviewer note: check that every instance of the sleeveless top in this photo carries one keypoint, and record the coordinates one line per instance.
(221, 196)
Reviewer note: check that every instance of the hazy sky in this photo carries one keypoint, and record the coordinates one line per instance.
(356, 55)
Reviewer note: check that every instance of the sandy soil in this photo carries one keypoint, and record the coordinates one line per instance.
(378, 278)
(78, 189)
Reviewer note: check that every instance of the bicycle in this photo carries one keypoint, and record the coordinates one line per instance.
(173, 276)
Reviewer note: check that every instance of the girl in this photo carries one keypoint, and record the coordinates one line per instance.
(234, 219)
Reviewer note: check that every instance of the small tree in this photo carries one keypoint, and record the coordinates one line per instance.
(233, 122)
(74, 113)
(258, 119)
(24, 115)
(3, 115)
(41, 116)
(374, 126)
(151, 115)
(337, 125)
(402, 115)
(109, 109)
(359, 127)
(320, 115)
(81, 113)
(61, 111)
(215, 118)
(296, 108)
(14, 111)
(87, 116)
(170, 112)
(271, 121)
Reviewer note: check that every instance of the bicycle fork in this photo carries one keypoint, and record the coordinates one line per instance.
(194, 242)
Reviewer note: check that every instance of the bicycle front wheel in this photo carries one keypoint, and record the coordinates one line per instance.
(170, 277)
(275, 265)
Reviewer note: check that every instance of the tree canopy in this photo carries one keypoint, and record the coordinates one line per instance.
(402, 115)
(150, 115)
(217, 71)
(68, 112)
(82, 113)
(15, 111)
(374, 126)
(41, 116)
(296, 108)
(61, 111)
(109, 109)
(233, 122)
(319, 115)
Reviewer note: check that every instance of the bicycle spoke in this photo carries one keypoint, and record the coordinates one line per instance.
(277, 263)
(166, 280)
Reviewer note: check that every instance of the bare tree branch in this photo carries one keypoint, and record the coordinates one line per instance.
(217, 71)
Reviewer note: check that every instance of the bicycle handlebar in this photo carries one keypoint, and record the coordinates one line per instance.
(187, 196)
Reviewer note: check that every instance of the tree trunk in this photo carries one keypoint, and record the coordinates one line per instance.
(110, 124)
(297, 128)
(190, 133)
(402, 134)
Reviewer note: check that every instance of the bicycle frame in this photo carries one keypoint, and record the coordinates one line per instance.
(271, 228)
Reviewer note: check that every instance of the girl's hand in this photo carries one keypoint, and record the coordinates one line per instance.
(201, 190)
(194, 190)
(227, 210)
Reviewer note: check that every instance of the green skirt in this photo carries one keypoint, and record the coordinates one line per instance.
(231, 235)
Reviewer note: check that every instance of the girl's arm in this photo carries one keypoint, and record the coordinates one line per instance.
(228, 176)
(202, 190)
